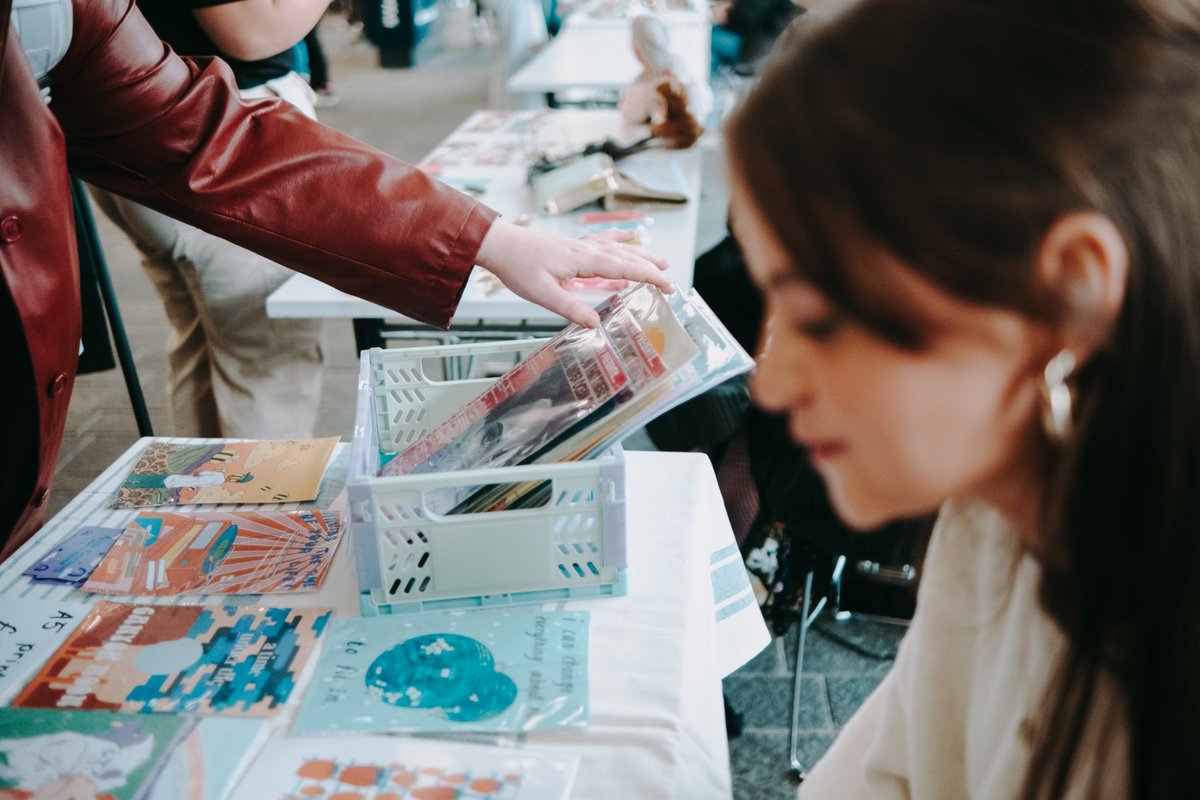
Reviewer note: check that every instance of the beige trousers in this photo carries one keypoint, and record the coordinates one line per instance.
(233, 372)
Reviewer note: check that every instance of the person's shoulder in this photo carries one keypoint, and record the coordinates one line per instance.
(973, 556)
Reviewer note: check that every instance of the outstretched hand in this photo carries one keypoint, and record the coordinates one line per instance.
(539, 266)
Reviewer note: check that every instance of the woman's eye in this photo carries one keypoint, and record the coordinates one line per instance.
(818, 329)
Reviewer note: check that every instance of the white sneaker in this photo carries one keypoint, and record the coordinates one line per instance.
(327, 98)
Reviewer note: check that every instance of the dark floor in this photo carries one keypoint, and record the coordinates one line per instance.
(406, 112)
(843, 662)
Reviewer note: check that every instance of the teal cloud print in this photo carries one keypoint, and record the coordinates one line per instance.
(444, 673)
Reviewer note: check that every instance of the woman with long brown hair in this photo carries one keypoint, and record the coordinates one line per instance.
(976, 225)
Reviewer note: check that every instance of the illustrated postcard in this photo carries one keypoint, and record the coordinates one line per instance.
(271, 471)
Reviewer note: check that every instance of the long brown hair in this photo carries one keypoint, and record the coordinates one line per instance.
(954, 133)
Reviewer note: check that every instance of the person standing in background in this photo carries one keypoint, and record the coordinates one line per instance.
(641, 101)
(318, 70)
(233, 372)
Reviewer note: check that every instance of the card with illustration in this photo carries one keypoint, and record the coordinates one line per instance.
(269, 471)
(464, 671)
(239, 661)
(395, 767)
(58, 754)
(30, 631)
(73, 559)
(219, 552)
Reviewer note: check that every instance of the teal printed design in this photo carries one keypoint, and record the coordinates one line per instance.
(511, 670)
(443, 672)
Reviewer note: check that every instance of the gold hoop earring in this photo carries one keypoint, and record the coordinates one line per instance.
(1058, 399)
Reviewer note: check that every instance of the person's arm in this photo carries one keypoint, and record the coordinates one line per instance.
(174, 135)
(251, 30)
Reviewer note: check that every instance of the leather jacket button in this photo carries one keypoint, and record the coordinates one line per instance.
(40, 498)
(10, 229)
(59, 384)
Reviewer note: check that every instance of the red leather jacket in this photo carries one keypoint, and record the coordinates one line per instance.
(129, 115)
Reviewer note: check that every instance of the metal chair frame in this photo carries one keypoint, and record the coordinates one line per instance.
(903, 575)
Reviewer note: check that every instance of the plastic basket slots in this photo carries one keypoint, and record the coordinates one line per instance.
(412, 559)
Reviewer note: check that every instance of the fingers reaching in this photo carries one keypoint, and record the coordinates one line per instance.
(537, 266)
(566, 305)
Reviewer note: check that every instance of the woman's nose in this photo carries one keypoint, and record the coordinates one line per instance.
(779, 382)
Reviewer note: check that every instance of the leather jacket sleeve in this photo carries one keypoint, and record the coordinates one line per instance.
(173, 134)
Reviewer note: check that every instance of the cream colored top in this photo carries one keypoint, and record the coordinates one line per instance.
(956, 716)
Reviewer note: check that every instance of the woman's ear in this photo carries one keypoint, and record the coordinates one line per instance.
(1084, 260)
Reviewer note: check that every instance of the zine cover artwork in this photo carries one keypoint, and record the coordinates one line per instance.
(401, 768)
(467, 671)
(218, 552)
(275, 471)
(53, 754)
(238, 661)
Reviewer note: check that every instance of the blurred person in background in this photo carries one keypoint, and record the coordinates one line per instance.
(232, 371)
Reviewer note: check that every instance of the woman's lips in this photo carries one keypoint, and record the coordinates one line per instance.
(823, 449)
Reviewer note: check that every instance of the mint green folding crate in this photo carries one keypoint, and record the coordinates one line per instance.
(412, 559)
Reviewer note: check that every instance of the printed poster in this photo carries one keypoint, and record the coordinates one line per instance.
(466, 671)
(218, 552)
(395, 767)
(272, 471)
(238, 661)
(30, 631)
(58, 754)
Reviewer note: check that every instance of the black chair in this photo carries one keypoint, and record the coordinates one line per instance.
(101, 312)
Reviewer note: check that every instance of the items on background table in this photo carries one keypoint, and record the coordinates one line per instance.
(576, 183)
(648, 184)
(57, 754)
(476, 671)
(611, 217)
(580, 393)
(195, 659)
(633, 220)
(30, 630)
(219, 552)
(395, 767)
(269, 471)
(595, 177)
(74, 558)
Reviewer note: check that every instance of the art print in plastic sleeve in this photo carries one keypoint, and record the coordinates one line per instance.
(195, 659)
(30, 631)
(560, 402)
(269, 471)
(716, 357)
(382, 767)
(473, 671)
(526, 411)
(58, 754)
(219, 552)
(73, 559)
